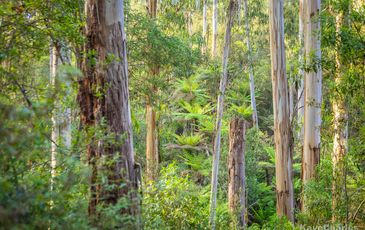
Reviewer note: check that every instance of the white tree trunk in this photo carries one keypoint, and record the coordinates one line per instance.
(205, 26)
(252, 82)
(282, 129)
(300, 95)
(313, 92)
(215, 28)
(61, 118)
(220, 105)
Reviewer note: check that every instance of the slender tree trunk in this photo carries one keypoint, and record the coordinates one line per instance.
(340, 133)
(152, 134)
(220, 105)
(104, 103)
(282, 129)
(151, 142)
(300, 95)
(313, 92)
(61, 118)
(236, 171)
(252, 82)
(55, 129)
(291, 102)
(205, 27)
(215, 28)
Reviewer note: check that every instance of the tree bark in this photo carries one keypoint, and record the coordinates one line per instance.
(151, 143)
(152, 8)
(340, 132)
(313, 92)
(205, 26)
(282, 129)
(215, 28)
(104, 103)
(236, 171)
(61, 118)
(220, 105)
(152, 157)
(300, 95)
(252, 82)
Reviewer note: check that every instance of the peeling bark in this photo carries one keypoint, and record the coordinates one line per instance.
(104, 98)
(236, 171)
(282, 128)
(312, 92)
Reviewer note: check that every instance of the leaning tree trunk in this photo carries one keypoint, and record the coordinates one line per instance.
(152, 157)
(104, 104)
(340, 132)
(220, 105)
(215, 28)
(236, 171)
(313, 92)
(282, 129)
(61, 118)
(252, 82)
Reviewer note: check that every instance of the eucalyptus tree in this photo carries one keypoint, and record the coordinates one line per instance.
(205, 26)
(61, 118)
(152, 157)
(104, 103)
(220, 105)
(312, 91)
(300, 93)
(340, 126)
(282, 128)
(249, 51)
(340, 12)
(236, 171)
(215, 28)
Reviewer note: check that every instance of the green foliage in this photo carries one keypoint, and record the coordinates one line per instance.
(167, 67)
(192, 140)
(174, 202)
(200, 163)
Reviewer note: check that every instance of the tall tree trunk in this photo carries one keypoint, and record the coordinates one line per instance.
(205, 27)
(61, 118)
(313, 92)
(215, 28)
(220, 105)
(104, 103)
(152, 134)
(252, 82)
(236, 171)
(340, 132)
(300, 95)
(282, 129)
